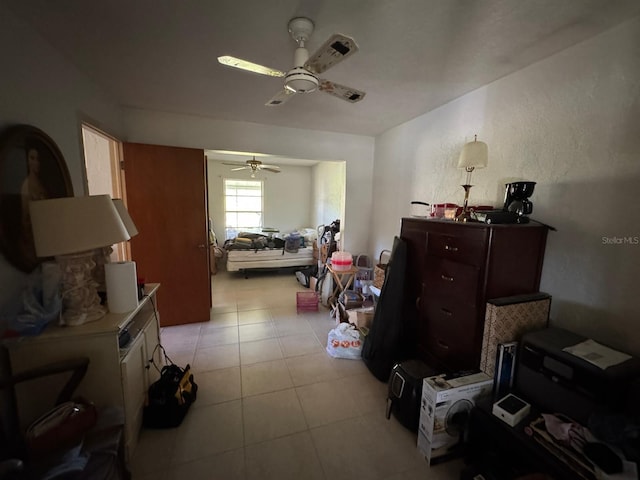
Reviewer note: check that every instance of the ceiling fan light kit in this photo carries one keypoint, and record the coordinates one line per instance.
(303, 77)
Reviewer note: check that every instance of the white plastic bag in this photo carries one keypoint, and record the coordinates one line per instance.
(344, 342)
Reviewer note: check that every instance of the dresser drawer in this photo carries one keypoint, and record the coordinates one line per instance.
(452, 342)
(441, 311)
(466, 246)
(451, 280)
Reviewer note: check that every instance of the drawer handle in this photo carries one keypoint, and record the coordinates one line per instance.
(443, 345)
(446, 278)
(446, 312)
(449, 248)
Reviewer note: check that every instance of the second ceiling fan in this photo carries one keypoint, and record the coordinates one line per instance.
(254, 165)
(303, 77)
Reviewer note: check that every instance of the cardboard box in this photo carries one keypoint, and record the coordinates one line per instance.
(507, 319)
(361, 317)
(444, 412)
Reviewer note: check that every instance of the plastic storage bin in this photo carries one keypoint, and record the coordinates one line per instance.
(341, 261)
(306, 301)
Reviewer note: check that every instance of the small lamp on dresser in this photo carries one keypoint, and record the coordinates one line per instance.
(71, 229)
(474, 155)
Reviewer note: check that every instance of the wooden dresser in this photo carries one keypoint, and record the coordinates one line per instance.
(452, 270)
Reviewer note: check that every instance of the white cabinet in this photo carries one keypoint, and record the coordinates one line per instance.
(116, 376)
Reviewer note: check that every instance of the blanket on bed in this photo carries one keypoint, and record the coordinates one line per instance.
(257, 241)
(253, 241)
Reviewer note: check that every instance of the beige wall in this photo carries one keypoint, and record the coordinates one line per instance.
(571, 123)
(329, 193)
(355, 151)
(39, 87)
(287, 197)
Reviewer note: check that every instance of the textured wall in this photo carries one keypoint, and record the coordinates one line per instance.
(328, 192)
(571, 123)
(39, 87)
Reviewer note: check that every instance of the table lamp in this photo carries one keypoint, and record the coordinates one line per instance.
(71, 229)
(474, 155)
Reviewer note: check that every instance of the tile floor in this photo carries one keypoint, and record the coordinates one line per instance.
(271, 403)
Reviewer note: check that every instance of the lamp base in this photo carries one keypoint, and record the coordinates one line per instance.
(465, 215)
(80, 300)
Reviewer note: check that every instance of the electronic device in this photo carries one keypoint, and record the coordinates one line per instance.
(445, 409)
(516, 198)
(505, 368)
(558, 381)
(511, 409)
(499, 216)
(516, 205)
(405, 392)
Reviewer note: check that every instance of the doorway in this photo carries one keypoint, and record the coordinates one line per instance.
(104, 175)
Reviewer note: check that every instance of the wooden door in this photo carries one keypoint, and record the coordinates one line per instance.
(167, 199)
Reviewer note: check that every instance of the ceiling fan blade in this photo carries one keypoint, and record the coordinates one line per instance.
(234, 163)
(341, 91)
(279, 98)
(276, 167)
(239, 168)
(271, 169)
(249, 66)
(332, 52)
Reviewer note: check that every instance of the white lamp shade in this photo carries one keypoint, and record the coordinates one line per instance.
(125, 217)
(474, 155)
(68, 225)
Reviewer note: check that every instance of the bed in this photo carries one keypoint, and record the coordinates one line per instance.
(255, 251)
(239, 260)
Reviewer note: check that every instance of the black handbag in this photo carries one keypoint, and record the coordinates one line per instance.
(170, 397)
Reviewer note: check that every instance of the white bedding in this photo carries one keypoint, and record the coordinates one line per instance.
(250, 259)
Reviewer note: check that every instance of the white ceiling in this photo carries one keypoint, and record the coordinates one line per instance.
(415, 55)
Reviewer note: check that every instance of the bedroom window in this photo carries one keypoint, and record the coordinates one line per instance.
(242, 206)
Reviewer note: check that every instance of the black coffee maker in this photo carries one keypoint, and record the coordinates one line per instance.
(516, 199)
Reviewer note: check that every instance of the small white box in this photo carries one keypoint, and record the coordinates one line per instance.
(444, 411)
(511, 409)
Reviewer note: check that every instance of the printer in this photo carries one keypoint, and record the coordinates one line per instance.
(557, 381)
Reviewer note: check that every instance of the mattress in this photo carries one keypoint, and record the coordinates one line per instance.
(268, 258)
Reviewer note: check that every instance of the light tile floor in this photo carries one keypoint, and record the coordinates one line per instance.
(272, 404)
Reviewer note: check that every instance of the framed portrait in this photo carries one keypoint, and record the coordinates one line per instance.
(31, 168)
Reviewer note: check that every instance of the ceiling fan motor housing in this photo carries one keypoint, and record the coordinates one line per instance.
(300, 28)
(300, 80)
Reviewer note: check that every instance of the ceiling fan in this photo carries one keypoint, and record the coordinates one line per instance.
(254, 165)
(303, 77)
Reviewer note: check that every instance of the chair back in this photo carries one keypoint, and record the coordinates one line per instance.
(10, 438)
(11, 435)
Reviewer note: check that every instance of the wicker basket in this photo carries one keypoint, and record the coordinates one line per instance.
(380, 269)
